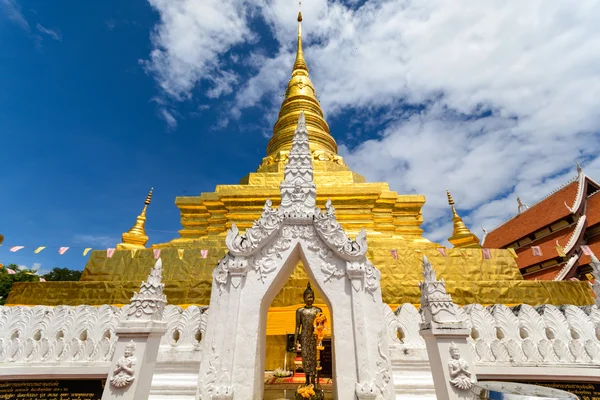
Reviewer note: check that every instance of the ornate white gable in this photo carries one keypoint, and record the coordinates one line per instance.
(257, 266)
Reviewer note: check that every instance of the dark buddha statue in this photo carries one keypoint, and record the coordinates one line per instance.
(305, 317)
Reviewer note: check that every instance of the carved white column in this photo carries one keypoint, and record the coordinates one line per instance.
(139, 334)
(445, 336)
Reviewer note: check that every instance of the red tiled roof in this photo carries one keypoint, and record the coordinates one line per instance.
(594, 244)
(544, 275)
(544, 213)
(547, 245)
(592, 211)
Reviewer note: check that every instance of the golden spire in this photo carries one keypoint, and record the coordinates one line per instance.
(136, 238)
(461, 236)
(301, 96)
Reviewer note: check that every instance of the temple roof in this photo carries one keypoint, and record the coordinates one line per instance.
(547, 246)
(541, 214)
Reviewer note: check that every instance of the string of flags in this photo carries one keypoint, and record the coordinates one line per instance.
(486, 254)
(109, 252)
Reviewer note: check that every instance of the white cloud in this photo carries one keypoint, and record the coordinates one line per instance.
(53, 33)
(168, 117)
(504, 93)
(190, 40)
(100, 241)
(12, 11)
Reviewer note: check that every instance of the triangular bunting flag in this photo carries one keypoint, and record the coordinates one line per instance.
(204, 253)
(110, 252)
(156, 253)
(14, 249)
(513, 252)
(537, 250)
(87, 250)
(10, 271)
(133, 251)
(39, 249)
(180, 254)
(487, 255)
(442, 251)
(586, 250)
(62, 250)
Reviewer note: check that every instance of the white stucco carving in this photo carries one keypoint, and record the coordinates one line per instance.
(124, 373)
(259, 261)
(149, 302)
(64, 335)
(436, 303)
(458, 369)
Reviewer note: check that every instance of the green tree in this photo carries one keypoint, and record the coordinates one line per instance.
(62, 274)
(7, 280)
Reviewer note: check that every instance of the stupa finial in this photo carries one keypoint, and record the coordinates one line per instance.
(300, 63)
(136, 237)
(300, 96)
(461, 236)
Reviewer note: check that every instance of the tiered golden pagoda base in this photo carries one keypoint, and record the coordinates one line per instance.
(469, 279)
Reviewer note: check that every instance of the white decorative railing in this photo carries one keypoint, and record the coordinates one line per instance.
(519, 336)
(67, 334)
(515, 336)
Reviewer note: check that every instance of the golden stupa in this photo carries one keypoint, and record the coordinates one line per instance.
(392, 222)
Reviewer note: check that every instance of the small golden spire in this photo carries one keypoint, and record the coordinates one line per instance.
(136, 238)
(299, 64)
(461, 236)
(301, 96)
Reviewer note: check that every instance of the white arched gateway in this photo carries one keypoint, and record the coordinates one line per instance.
(258, 264)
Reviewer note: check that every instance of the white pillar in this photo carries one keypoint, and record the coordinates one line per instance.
(445, 336)
(139, 334)
(439, 340)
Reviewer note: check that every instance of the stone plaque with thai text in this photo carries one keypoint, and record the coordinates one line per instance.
(64, 389)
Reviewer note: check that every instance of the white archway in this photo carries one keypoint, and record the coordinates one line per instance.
(257, 266)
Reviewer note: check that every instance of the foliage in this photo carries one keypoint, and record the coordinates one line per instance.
(7, 280)
(62, 274)
(28, 275)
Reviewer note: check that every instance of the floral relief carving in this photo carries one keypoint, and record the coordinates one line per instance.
(262, 229)
(213, 385)
(230, 266)
(384, 366)
(334, 236)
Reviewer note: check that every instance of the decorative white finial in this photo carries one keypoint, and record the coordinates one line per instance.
(428, 272)
(150, 302)
(298, 190)
(436, 303)
(521, 206)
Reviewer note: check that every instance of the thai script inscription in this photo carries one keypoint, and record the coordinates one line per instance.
(52, 390)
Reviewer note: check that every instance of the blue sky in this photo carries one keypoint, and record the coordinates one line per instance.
(99, 101)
